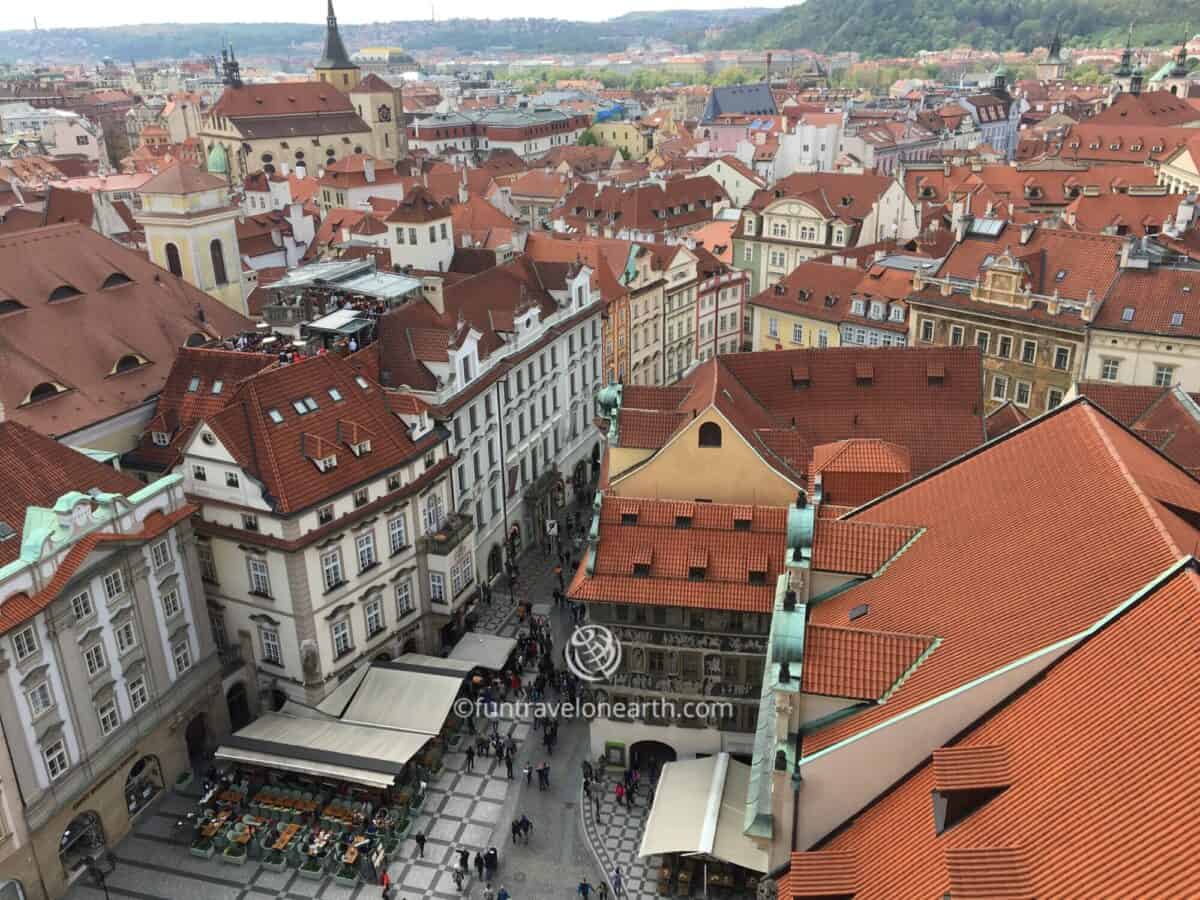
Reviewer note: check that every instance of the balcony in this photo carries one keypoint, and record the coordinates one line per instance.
(231, 659)
(454, 529)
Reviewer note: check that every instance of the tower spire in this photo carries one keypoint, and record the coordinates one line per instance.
(334, 55)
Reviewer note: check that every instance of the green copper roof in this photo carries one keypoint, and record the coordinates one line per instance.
(218, 162)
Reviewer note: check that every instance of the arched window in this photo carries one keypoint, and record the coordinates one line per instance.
(710, 435)
(42, 391)
(173, 263)
(127, 363)
(218, 261)
(116, 279)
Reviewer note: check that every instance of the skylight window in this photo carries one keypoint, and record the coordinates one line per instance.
(1127, 314)
(362, 382)
(218, 386)
(1060, 275)
(274, 415)
(310, 403)
(194, 384)
(1176, 319)
(335, 394)
(299, 407)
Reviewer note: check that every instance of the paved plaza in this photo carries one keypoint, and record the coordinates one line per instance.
(469, 809)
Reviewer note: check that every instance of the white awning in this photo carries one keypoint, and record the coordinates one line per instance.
(699, 806)
(407, 700)
(488, 651)
(324, 748)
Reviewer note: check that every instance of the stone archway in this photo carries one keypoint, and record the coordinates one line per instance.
(143, 783)
(495, 561)
(81, 840)
(643, 752)
(196, 738)
(238, 701)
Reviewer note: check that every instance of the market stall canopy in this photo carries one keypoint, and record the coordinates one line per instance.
(349, 277)
(406, 698)
(340, 321)
(488, 651)
(323, 748)
(699, 806)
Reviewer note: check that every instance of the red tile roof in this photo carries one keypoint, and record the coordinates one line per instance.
(1157, 108)
(1004, 419)
(654, 540)
(819, 876)
(855, 548)
(1089, 775)
(847, 197)
(76, 341)
(182, 179)
(274, 453)
(970, 767)
(650, 208)
(287, 98)
(815, 290)
(1158, 296)
(418, 207)
(38, 470)
(854, 662)
(1124, 402)
(1105, 495)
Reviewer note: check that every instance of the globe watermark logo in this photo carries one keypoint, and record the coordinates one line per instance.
(593, 653)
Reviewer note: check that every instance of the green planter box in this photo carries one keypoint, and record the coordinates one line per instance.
(347, 876)
(313, 870)
(203, 849)
(234, 855)
(275, 861)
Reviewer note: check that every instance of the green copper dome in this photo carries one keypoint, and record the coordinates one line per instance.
(218, 162)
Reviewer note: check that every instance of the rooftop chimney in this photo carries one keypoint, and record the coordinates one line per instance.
(369, 170)
(789, 601)
(785, 673)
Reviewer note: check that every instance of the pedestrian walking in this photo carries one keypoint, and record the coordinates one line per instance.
(619, 790)
(504, 894)
(508, 766)
(420, 839)
(546, 773)
(618, 883)
(528, 773)
(585, 889)
(602, 890)
(470, 758)
(458, 877)
(515, 828)
(464, 860)
(596, 804)
(587, 788)
(526, 828)
(491, 862)
(488, 893)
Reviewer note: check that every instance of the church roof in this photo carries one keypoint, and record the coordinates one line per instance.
(335, 55)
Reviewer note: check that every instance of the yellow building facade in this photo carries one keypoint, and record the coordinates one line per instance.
(627, 136)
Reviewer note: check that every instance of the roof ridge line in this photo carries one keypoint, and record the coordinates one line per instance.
(1138, 490)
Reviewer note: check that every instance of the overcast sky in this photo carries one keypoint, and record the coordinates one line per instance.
(88, 13)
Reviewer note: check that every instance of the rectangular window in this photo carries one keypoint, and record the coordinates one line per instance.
(260, 579)
(927, 330)
(1000, 387)
(1029, 352)
(1004, 346)
(365, 545)
(198, 473)
(748, 253)
(343, 641)
(231, 479)
(208, 566)
(109, 717)
(437, 587)
(822, 339)
(462, 574)
(1110, 369)
(160, 555)
(404, 600)
(956, 335)
(331, 568)
(182, 652)
(1164, 376)
(81, 606)
(1053, 398)
(394, 482)
(1024, 390)
(325, 514)
(126, 637)
(114, 585)
(397, 534)
(138, 695)
(272, 651)
(93, 660)
(1062, 358)
(250, 521)
(983, 341)
(772, 327)
(40, 698)
(361, 496)
(374, 616)
(797, 333)
(56, 759)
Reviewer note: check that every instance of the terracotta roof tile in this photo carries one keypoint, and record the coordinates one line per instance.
(1004, 419)
(820, 875)
(668, 551)
(854, 662)
(841, 545)
(970, 767)
(1165, 301)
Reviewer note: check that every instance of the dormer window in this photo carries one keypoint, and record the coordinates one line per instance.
(218, 386)
(325, 463)
(362, 448)
(683, 521)
(194, 384)
(160, 438)
(857, 307)
(116, 279)
(897, 313)
(64, 292)
(1127, 314)
(696, 573)
(641, 570)
(742, 523)
(629, 518)
(757, 577)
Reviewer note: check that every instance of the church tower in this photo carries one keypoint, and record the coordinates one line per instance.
(335, 67)
(1055, 65)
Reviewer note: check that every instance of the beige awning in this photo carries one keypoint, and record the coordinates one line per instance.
(699, 806)
(488, 651)
(404, 700)
(323, 747)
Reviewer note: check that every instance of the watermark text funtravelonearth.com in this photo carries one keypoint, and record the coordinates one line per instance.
(656, 708)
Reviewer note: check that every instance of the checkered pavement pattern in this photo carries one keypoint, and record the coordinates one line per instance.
(616, 838)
